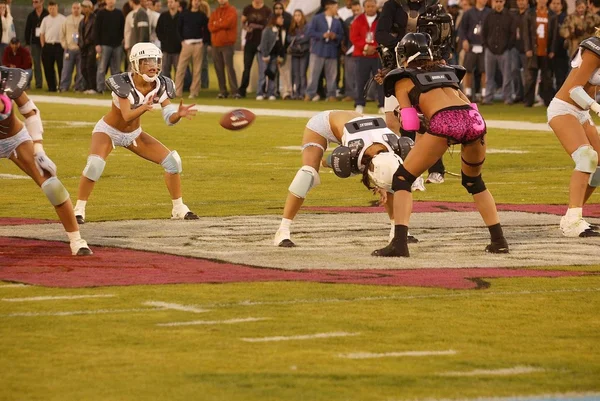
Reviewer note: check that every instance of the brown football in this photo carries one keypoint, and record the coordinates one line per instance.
(237, 119)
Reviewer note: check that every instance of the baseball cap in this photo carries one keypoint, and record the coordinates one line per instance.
(87, 3)
(452, 3)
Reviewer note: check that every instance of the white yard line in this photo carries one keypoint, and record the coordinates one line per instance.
(371, 355)
(299, 337)
(214, 322)
(14, 177)
(57, 298)
(82, 312)
(515, 370)
(13, 285)
(179, 307)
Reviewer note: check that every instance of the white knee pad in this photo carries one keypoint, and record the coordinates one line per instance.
(94, 167)
(55, 191)
(172, 163)
(586, 159)
(306, 178)
(595, 178)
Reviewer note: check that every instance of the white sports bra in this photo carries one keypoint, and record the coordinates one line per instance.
(136, 98)
(576, 62)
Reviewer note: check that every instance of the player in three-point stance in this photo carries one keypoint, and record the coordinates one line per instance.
(362, 139)
(22, 143)
(135, 93)
(433, 87)
(569, 118)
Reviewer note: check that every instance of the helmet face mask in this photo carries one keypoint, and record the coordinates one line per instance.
(145, 56)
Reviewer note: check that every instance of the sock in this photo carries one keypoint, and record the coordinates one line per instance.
(496, 232)
(80, 205)
(74, 236)
(400, 232)
(468, 91)
(574, 213)
(177, 202)
(482, 91)
(285, 224)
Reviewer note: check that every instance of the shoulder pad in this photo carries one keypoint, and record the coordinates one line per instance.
(166, 85)
(120, 84)
(365, 124)
(460, 71)
(389, 82)
(13, 81)
(445, 76)
(592, 44)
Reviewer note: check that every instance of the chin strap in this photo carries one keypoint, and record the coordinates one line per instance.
(148, 79)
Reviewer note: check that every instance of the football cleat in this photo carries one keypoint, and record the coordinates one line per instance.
(435, 178)
(282, 239)
(286, 243)
(191, 216)
(394, 249)
(577, 228)
(182, 212)
(80, 219)
(418, 185)
(80, 248)
(500, 246)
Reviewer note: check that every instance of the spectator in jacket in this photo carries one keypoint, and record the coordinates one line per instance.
(32, 38)
(517, 54)
(254, 19)
(168, 34)
(362, 36)
(16, 56)
(273, 51)
(108, 37)
(298, 54)
(205, 8)
(539, 50)
(140, 31)
(52, 51)
(69, 40)
(153, 16)
(88, 50)
(193, 30)
(222, 25)
(560, 62)
(326, 33)
(579, 26)
(472, 43)
(285, 69)
(498, 34)
(129, 13)
(7, 26)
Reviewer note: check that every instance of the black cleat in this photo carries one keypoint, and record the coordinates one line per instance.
(191, 216)
(411, 239)
(589, 233)
(394, 249)
(500, 246)
(84, 252)
(286, 243)
(80, 219)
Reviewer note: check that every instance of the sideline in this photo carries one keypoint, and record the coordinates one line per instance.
(501, 124)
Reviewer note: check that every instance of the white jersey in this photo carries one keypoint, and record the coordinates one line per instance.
(362, 132)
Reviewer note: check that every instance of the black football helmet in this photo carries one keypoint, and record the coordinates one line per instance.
(414, 46)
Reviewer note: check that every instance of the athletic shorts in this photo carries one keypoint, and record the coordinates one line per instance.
(390, 104)
(475, 61)
(559, 107)
(459, 124)
(9, 145)
(117, 137)
(319, 123)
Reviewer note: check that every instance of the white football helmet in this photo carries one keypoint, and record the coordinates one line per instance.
(384, 166)
(145, 51)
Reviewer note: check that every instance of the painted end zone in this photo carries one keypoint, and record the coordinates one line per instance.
(48, 263)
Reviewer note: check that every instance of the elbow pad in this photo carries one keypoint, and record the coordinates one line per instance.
(34, 126)
(583, 100)
(167, 112)
(410, 119)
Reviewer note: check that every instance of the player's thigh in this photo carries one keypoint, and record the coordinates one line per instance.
(569, 131)
(149, 148)
(591, 132)
(472, 157)
(101, 145)
(427, 150)
(311, 155)
(24, 160)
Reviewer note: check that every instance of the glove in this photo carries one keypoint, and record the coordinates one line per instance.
(43, 162)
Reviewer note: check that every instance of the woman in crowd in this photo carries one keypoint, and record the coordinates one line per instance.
(7, 27)
(299, 52)
(273, 50)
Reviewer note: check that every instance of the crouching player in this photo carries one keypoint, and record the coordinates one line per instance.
(135, 93)
(22, 143)
(361, 138)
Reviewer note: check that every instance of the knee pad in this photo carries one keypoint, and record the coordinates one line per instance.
(473, 185)
(306, 178)
(402, 180)
(595, 178)
(172, 163)
(94, 167)
(55, 191)
(585, 158)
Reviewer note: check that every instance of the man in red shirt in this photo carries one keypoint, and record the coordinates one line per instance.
(222, 24)
(16, 56)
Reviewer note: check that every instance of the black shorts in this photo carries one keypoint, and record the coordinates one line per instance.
(474, 61)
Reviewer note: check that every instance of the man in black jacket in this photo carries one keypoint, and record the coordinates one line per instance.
(498, 33)
(32, 39)
(87, 46)
(108, 37)
(167, 33)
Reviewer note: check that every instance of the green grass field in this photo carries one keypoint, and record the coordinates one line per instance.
(520, 337)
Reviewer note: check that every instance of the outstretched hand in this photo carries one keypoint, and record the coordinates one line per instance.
(186, 111)
(382, 195)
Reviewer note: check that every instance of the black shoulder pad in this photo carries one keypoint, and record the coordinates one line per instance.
(592, 44)
(13, 81)
(389, 82)
(444, 76)
(166, 84)
(120, 84)
(460, 72)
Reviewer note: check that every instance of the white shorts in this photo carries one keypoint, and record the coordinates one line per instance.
(117, 137)
(10, 144)
(559, 107)
(320, 124)
(390, 104)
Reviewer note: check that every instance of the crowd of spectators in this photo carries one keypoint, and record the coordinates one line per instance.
(518, 50)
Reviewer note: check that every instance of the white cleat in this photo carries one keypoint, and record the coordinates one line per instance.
(435, 178)
(282, 239)
(80, 248)
(418, 185)
(79, 215)
(576, 228)
(183, 213)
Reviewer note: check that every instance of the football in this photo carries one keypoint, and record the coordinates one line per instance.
(237, 119)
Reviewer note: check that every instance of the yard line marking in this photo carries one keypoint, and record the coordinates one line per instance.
(179, 307)
(212, 322)
(299, 337)
(14, 177)
(13, 285)
(371, 355)
(515, 370)
(32, 299)
(81, 312)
